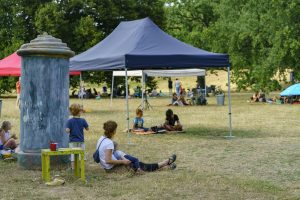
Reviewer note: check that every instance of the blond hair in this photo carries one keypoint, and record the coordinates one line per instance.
(75, 109)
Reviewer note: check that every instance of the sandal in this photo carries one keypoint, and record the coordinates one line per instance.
(173, 166)
(172, 159)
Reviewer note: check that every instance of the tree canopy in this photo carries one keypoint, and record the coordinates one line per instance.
(79, 23)
(261, 37)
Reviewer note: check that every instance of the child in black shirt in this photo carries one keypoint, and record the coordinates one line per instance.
(171, 120)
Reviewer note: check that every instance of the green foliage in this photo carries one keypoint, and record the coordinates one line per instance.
(219, 91)
(17, 27)
(7, 84)
(150, 82)
(261, 37)
(79, 23)
(187, 20)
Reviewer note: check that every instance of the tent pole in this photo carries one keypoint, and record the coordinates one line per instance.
(127, 107)
(205, 92)
(80, 88)
(143, 85)
(112, 90)
(229, 104)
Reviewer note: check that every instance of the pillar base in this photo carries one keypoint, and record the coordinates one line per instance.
(33, 161)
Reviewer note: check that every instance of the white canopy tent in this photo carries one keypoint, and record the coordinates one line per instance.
(165, 73)
(153, 73)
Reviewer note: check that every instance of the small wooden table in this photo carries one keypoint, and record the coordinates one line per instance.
(79, 170)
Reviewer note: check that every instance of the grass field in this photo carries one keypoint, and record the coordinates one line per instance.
(261, 162)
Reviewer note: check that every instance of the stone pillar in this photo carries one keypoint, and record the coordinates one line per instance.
(44, 99)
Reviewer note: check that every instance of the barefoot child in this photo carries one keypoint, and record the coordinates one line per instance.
(75, 127)
(7, 140)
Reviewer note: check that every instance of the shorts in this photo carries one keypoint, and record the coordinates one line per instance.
(77, 144)
(119, 154)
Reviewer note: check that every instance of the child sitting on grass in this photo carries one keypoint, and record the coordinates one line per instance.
(171, 119)
(75, 127)
(6, 140)
(138, 122)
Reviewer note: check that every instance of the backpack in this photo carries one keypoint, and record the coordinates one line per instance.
(96, 153)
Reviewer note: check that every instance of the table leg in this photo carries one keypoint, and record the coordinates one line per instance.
(47, 168)
(82, 166)
(76, 165)
(43, 167)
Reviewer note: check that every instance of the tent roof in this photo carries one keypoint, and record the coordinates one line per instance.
(176, 73)
(11, 66)
(293, 90)
(129, 73)
(165, 73)
(141, 44)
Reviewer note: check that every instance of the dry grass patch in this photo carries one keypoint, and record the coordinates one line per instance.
(262, 162)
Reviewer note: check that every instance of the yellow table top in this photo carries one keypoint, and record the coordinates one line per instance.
(62, 151)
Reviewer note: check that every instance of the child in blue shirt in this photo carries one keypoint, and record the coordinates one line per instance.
(138, 122)
(75, 127)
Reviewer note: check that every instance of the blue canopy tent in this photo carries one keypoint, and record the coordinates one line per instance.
(141, 44)
(293, 90)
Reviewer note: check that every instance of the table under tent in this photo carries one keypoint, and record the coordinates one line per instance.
(142, 45)
(155, 73)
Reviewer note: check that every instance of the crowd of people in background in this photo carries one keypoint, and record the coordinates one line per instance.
(90, 93)
(258, 97)
(183, 97)
(261, 97)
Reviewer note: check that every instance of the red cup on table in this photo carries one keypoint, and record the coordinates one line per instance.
(53, 146)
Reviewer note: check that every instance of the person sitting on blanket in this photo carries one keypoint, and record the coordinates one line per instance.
(171, 119)
(175, 100)
(138, 122)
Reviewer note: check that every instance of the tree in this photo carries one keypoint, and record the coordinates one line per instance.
(17, 28)
(261, 37)
(7, 84)
(82, 24)
(79, 23)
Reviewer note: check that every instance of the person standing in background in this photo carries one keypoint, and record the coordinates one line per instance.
(18, 89)
(170, 86)
(177, 86)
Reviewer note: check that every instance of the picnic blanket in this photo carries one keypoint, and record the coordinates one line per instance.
(159, 132)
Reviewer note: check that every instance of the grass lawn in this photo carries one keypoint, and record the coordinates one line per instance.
(261, 162)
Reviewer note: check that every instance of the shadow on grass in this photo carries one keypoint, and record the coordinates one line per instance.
(217, 133)
(102, 112)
